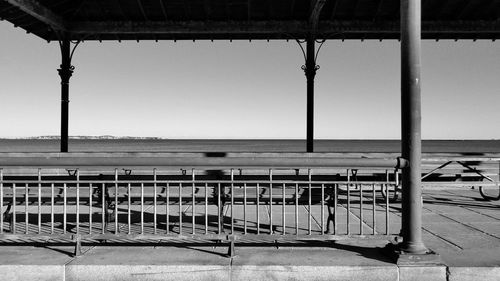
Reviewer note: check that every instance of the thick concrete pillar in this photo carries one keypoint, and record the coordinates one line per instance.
(411, 127)
(65, 72)
(310, 71)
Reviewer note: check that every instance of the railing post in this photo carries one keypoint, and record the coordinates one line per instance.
(78, 245)
(411, 127)
(65, 73)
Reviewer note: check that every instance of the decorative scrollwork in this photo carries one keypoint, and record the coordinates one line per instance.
(65, 73)
(321, 42)
(300, 42)
(71, 67)
(316, 67)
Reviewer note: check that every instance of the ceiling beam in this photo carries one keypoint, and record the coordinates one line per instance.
(315, 12)
(334, 9)
(187, 27)
(163, 10)
(275, 29)
(120, 8)
(141, 8)
(40, 12)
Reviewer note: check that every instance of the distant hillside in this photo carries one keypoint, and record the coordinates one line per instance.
(103, 137)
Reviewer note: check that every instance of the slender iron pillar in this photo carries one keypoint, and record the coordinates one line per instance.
(65, 72)
(411, 127)
(310, 71)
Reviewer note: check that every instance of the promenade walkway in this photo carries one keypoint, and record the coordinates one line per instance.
(457, 224)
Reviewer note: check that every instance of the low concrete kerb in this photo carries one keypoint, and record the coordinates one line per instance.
(196, 272)
(473, 273)
(245, 272)
(191, 263)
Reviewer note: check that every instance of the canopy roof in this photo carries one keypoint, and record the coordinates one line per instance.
(247, 19)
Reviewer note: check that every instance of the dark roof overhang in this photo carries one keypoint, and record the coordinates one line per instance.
(246, 19)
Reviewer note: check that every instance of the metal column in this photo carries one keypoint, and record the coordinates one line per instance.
(411, 127)
(310, 71)
(65, 72)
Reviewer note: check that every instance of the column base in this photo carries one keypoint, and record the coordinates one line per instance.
(403, 258)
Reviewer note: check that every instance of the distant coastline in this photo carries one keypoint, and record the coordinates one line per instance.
(103, 137)
(111, 137)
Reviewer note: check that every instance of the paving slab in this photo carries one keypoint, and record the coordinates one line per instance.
(153, 255)
(32, 272)
(418, 273)
(342, 253)
(480, 257)
(474, 273)
(150, 263)
(146, 272)
(29, 255)
(369, 273)
(33, 263)
(340, 261)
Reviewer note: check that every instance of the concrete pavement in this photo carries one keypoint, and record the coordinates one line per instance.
(457, 224)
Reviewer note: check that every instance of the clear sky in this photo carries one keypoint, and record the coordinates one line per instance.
(244, 89)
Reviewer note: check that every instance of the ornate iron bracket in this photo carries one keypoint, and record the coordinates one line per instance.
(310, 70)
(66, 69)
(72, 172)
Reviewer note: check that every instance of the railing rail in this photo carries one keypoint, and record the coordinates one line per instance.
(194, 160)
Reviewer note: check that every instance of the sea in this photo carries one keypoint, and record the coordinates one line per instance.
(460, 147)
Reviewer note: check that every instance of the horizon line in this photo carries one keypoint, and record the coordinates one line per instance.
(112, 137)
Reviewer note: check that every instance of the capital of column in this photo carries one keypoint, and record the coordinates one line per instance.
(310, 71)
(65, 72)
